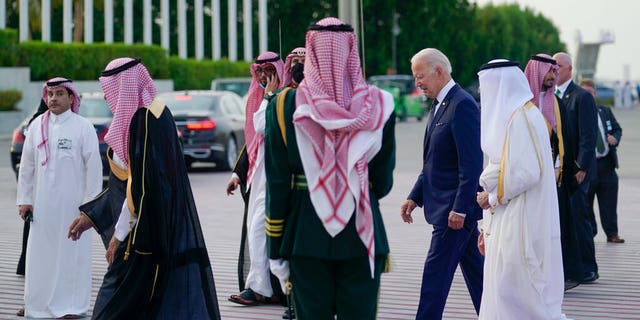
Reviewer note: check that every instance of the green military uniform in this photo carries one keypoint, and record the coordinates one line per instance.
(328, 275)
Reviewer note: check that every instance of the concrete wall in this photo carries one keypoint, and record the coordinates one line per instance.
(19, 78)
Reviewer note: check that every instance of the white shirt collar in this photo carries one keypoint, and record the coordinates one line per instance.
(563, 87)
(54, 118)
(444, 91)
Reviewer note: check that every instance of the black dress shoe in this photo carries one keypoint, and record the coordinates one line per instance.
(289, 314)
(570, 284)
(590, 277)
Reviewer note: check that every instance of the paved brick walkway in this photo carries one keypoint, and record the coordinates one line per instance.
(616, 295)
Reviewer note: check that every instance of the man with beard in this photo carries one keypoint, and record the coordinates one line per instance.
(520, 229)
(60, 168)
(267, 75)
(329, 157)
(158, 262)
(542, 74)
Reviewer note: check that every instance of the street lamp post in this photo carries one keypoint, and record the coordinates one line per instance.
(395, 31)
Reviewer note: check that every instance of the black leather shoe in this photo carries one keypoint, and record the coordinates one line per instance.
(590, 277)
(289, 314)
(570, 284)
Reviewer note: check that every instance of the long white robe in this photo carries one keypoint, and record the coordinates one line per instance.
(523, 277)
(259, 277)
(58, 270)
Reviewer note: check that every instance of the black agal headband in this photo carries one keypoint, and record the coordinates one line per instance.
(274, 59)
(543, 59)
(57, 83)
(500, 64)
(108, 73)
(333, 28)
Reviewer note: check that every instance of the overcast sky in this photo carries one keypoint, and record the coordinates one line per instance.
(617, 61)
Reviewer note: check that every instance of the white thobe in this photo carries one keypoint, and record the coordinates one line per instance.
(259, 277)
(523, 277)
(58, 270)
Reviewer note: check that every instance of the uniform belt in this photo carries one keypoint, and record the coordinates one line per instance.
(299, 182)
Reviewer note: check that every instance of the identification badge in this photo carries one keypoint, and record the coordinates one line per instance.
(609, 125)
(64, 144)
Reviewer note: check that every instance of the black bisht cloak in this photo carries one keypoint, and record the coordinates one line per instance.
(163, 267)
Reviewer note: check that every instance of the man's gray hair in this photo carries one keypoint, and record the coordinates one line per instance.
(564, 55)
(433, 57)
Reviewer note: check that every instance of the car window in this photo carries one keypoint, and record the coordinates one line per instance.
(95, 108)
(238, 105)
(184, 103)
(228, 106)
(241, 88)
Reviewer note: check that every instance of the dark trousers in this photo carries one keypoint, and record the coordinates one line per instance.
(323, 289)
(606, 188)
(569, 239)
(448, 249)
(578, 204)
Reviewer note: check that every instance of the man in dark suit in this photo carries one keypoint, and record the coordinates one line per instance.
(578, 170)
(447, 185)
(605, 184)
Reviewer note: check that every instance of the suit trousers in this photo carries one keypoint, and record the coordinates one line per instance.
(323, 289)
(578, 202)
(450, 248)
(605, 186)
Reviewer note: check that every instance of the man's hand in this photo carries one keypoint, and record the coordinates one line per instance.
(580, 176)
(456, 221)
(23, 209)
(111, 250)
(406, 209)
(232, 185)
(611, 140)
(483, 200)
(272, 83)
(481, 243)
(78, 226)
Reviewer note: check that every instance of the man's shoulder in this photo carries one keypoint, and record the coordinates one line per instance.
(461, 96)
(79, 119)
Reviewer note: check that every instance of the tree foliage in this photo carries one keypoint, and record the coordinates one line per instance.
(467, 34)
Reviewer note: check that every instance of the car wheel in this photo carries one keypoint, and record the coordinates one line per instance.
(231, 154)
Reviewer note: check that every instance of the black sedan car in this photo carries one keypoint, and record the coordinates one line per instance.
(211, 124)
(94, 108)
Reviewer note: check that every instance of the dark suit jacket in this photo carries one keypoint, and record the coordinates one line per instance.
(452, 161)
(580, 130)
(612, 127)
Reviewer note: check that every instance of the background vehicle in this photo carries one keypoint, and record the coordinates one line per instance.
(94, 108)
(409, 100)
(211, 124)
(238, 85)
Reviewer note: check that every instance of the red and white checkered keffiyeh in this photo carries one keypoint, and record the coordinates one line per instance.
(338, 122)
(125, 92)
(535, 72)
(297, 52)
(44, 124)
(254, 98)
